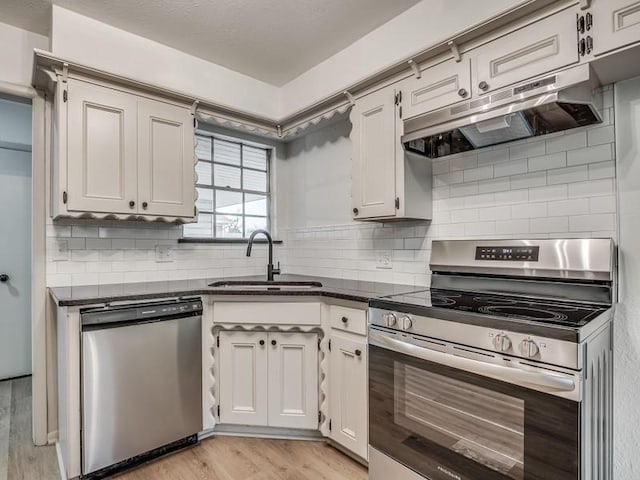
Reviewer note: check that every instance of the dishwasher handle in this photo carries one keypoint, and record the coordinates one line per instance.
(105, 317)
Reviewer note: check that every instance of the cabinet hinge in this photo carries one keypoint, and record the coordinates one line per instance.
(400, 111)
(218, 411)
(397, 203)
(218, 344)
(329, 344)
(319, 417)
(318, 344)
(65, 95)
(64, 197)
(195, 211)
(329, 424)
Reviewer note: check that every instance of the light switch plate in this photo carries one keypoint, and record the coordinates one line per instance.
(61, 251)
(164, 253)
(383, 260)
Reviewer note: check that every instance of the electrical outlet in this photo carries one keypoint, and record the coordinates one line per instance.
(164, 254)
(61, 252)
(384, 260)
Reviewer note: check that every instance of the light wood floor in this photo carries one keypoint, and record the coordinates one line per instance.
(220, 458)
(19, 458)
(233, 458)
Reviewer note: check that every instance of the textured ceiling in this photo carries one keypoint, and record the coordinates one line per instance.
(271, 40)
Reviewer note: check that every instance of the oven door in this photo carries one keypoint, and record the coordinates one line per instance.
(449, 412)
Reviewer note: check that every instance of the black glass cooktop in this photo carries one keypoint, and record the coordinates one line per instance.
(556, 313)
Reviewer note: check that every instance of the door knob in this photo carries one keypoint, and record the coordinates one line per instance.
(355, 211)
(345, 319)
(484, 86)
(145, 205)
(261, 342)
(132, 204)
(462, 92)
(4, 277)
(358, 352)
(274, 343)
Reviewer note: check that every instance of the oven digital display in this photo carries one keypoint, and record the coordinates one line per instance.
(508, 254)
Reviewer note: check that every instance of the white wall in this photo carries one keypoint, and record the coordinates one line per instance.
(561, 185)
(90, 42)
(15, 124)
(627, 322)
(16, 54)
(425, 24)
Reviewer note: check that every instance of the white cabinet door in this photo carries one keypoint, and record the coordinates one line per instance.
(243, 378)
(101, 149)
(293, 380)
(167, 159)
(374, 136)
(616, 23)
(348, 394)
(439, 86)
(541, 47)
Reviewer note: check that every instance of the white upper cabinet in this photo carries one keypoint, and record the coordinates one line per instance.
(102, 142)
(293, 380)
(122, 154)
(374, 135)
(166, 159)
(439, 86)
(386, 182)
(616, 24)
(543, 46)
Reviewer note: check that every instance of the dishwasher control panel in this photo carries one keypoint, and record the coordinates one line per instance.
(103, 316)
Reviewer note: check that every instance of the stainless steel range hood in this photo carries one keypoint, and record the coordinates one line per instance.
(556, 102)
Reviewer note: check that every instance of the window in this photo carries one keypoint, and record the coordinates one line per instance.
(233, 189)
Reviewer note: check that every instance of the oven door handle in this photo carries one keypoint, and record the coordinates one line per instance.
(499, 372)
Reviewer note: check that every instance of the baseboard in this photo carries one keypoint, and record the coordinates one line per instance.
(63, 472)
(263, 432)
(348, 453)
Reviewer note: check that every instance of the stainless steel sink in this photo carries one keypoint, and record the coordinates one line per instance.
(264, 285)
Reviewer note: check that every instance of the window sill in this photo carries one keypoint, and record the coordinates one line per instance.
(225, 240)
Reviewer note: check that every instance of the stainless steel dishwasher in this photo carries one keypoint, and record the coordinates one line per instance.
(141, 383)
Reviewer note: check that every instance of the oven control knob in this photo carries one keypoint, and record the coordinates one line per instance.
(406, 322)
(528, 348)
(501, 342)
(390, 319)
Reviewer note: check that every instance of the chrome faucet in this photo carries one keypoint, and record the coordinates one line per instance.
(270, 270)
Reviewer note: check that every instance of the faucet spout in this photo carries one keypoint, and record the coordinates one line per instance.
(271, 271)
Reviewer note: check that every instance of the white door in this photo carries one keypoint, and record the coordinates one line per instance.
(293, 380)
(616, 23)
(166, 158)
(374, 135)
(15, 241)
(439, 86)
(101, 149)
(348, 394)
(541, 47)
(243, 378)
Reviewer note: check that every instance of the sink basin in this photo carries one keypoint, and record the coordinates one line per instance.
(264, 285)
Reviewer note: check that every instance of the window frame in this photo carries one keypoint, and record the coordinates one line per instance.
(213, 188)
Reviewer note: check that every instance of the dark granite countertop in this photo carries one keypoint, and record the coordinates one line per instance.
(354, 290)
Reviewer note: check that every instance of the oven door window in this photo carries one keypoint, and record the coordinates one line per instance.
(448, 424)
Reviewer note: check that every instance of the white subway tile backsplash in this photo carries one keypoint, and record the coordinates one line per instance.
(512, 167)
(598, 136)
(547, 162)
(551, 192)
(491, 156)
(591, 189)
(531, 210)
(602, 170)
(568, 141)
(480, 173)
(526, 150)
(600, 153)
(568, 175)
(527, 180)
(590, 223)
(602, 204)
(561, 208)
(552, 225)
(512, 227)
(494, 185)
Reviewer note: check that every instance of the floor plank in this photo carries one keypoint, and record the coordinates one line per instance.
(235, 458)
(26, 461)
(5, 423)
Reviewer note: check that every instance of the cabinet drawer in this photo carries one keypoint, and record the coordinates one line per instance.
(348, 319)
(286, 313)
(541, 47)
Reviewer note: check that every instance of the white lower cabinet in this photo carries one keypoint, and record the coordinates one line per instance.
(269, 379)
(348, 393)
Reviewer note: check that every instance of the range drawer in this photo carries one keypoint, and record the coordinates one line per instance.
(348, 319)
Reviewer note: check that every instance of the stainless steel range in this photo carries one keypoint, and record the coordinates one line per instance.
(501, 371)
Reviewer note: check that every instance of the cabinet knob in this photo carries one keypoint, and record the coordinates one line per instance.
(274, 343)
(344, 319)
(355, 211)
(4, 278)
(145, 205)
(132, 204)
(484, 86)
(262, 343)
(358, 352)
(462, 92)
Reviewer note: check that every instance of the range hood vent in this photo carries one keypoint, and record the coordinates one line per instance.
(561, 101)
